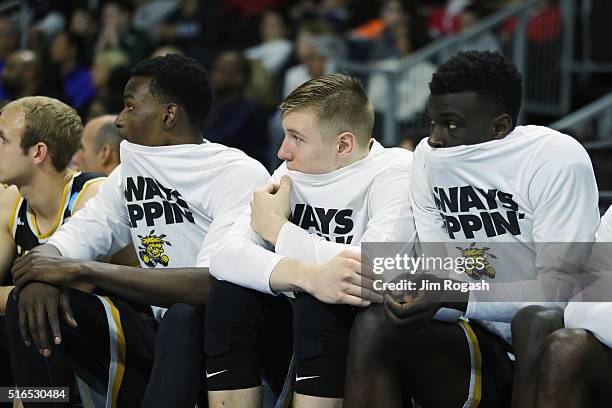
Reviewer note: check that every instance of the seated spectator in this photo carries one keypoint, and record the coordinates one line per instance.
(110, 100)
(8, 43)
(84, 24)
(402, 32)
(22, 76)
(76, 83)
(191, 28)
(412, 88)
(103, 64)
(315, 48)
(149, 15)
(165, 50)
(118, 34)
(275, 49)
(235, 121)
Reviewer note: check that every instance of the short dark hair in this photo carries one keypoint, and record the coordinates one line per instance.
(489, 74)
(181, 80)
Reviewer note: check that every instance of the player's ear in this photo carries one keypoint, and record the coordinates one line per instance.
(502, 125)
(38, 152)
(347, 143)
(170, 116)
(105, 153)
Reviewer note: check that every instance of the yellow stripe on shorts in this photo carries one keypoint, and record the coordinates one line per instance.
(475, 392)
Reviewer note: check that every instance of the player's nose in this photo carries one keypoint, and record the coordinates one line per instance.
(285, 153)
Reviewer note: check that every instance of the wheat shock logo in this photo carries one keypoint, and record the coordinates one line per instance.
(481, 266)
(143, 194)
(327, 223)
(151, 249)
(498, 213)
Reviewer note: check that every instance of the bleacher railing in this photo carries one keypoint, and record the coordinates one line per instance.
(590, 124)
(399, 90)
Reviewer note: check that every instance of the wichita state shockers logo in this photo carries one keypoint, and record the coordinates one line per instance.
(151, 250)
(479, 257)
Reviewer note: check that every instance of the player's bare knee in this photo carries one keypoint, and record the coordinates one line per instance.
(370, 325)
(536, 320)
(569, 347)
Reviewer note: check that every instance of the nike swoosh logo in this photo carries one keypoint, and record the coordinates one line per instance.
(306, 378)
(213, 374)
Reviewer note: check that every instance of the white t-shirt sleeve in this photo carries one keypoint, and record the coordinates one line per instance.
(233, 192)
(100, 228)
(390, 219)
(243, 257)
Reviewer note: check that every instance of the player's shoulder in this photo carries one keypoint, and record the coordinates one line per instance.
(8, 199)
(391, 159)
(234, 164)
(549, 145)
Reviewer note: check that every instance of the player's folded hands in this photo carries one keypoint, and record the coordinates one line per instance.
(344, 279)
(413, 308)
(43, 267)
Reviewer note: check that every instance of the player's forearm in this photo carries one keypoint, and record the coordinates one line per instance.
(150, 286)
(290, 275)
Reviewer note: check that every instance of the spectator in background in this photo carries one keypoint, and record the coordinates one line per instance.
(110, 99)
(149, 15)
(22, 75)
(407, 143)
(236, 121)
(9, 37)
(334, 12)
(445, 20)
(99, 148)
(84, 24)
(118, 34)
(402, 32)
(412, 88)
(192, 28)
(482, 42)
(165, 50)
(103, 64)
(275, 49)
(315, 47)
(76, 82)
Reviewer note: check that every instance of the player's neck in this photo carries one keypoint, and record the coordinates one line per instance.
(44, 193)
(354, 157)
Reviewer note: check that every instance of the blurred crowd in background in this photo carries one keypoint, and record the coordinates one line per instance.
(256, 51)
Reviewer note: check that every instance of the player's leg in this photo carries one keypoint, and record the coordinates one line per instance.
(574, 371)
(440, 365)
(178, 367)
(530, 326)
(235, 322)
(373, 373)
(6, 373)
(320, 338)
(108, 331)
